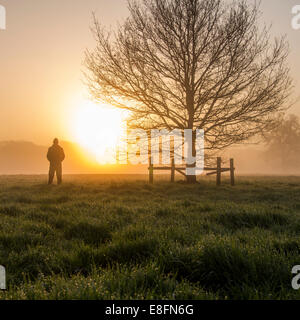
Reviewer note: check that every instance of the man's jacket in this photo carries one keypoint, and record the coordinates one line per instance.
(55, 154)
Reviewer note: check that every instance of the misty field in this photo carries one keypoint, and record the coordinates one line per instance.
(101, 237)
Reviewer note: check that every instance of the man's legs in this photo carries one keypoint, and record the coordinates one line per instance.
(51, 174)
(59, 173)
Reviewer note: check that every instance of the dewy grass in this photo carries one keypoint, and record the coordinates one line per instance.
(102, 238)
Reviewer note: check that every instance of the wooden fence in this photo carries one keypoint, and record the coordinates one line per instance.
(218, 170)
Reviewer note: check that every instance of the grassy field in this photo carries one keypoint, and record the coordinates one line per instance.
(104, 237)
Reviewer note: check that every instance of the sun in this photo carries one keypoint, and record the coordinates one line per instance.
(98, 127)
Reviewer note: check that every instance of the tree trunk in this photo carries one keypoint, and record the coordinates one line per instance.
(192, 178)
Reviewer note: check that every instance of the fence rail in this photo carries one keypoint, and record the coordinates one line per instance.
(218, 170)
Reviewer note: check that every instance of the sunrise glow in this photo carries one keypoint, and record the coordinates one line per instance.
(97, 128)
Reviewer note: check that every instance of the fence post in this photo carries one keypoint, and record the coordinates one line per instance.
(232, 172)
(219, 160)
(150, 170)
(172, 170)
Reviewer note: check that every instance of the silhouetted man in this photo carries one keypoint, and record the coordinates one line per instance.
(55, 156)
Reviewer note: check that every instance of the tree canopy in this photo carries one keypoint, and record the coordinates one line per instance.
(192, 64)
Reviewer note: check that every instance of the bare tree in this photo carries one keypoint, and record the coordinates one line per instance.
(283, 143)
(192, 64)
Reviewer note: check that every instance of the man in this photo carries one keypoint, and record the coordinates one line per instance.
(55, 156)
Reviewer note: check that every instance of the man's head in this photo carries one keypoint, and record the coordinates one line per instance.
(55, 141)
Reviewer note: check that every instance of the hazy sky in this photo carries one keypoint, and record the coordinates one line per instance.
(42, 52)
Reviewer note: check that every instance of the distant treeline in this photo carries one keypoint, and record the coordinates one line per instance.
(277, 153)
